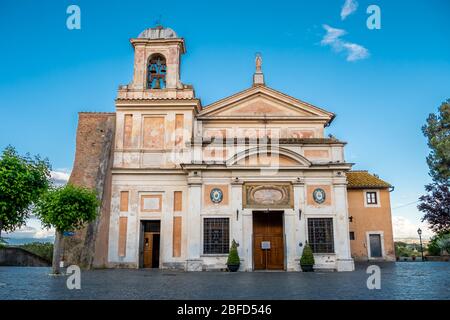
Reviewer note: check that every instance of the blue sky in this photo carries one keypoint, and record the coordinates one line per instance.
(49, 73)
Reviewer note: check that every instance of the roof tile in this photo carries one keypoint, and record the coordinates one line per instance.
(363, 179)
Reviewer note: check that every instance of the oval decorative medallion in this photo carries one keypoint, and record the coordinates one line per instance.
(319, 195)
(268, 196)
(216, 195)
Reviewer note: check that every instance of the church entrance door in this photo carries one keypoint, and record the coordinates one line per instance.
(268, 240)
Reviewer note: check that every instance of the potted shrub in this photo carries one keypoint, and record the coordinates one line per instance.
(233, 261)
(307, 259)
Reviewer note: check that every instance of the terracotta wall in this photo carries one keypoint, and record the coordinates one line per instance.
(92, 169)
(369, 219)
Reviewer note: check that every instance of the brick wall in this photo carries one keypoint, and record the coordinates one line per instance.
(92, 169)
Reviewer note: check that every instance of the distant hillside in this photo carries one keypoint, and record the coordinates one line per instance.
(19, 241)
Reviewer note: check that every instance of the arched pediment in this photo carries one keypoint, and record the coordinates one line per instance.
(268, 157)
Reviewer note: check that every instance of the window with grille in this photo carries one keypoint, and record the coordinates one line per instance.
(320, 235)
(216, 239)
(371, 197)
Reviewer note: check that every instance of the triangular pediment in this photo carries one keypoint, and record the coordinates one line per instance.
(263, 102)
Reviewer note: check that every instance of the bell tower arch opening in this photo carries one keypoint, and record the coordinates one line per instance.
(156, 71)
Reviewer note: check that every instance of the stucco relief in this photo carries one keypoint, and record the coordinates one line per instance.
(268, 196)
(300, 133)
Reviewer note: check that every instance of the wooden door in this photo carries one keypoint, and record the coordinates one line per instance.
(375, 246)
(148, 249)
(268, 233)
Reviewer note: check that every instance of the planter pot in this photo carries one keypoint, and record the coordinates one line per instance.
(307, 267)
(233, 267)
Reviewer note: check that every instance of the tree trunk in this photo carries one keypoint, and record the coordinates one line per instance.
(57, 252)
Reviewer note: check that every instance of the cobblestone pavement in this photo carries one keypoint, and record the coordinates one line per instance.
(402, 280)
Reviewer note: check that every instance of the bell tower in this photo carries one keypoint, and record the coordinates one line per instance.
(157, 59)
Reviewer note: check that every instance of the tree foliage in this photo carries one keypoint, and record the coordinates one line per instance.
(67, 208)
(42, 249)
(436, 204)
(23, 179)
(444, 243)
(437, 131)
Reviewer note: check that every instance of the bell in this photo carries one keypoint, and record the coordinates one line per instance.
(157, 84)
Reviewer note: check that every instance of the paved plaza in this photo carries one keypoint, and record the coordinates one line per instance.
(402, 280)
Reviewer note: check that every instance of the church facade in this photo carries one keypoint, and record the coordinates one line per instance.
(180, 181)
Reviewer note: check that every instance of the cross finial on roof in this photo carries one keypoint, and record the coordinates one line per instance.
(158, 21)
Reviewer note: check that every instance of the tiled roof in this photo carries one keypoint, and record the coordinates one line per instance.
(363, 179)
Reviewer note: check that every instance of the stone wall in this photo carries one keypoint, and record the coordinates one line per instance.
(92, 169)
(21, 257)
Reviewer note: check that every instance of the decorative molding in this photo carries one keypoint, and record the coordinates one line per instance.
(268, 195)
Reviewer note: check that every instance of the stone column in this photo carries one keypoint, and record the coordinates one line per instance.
(247, 242)
(301, 235)
(237, 218)
(344, 261)
(140, 64)
(193, 223)
(290, 240)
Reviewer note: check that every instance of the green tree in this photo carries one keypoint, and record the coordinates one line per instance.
(436, 204)
(22, 180)
(437, 131)
(66, 208)
(444, 243)
(233, 255)
(435, 246)
(307, 257)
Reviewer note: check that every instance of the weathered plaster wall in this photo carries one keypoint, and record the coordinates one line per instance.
(370, 219)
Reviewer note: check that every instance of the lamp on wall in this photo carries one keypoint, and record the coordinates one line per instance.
(350, 218)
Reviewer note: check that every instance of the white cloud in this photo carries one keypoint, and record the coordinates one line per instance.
(333, 39)
(28, 232)
(44, 233)
(348, 8)
(355, 51)
(332, 35)
(404, 228)
(60, 177)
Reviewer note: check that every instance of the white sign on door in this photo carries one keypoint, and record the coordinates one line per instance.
(265, 245)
